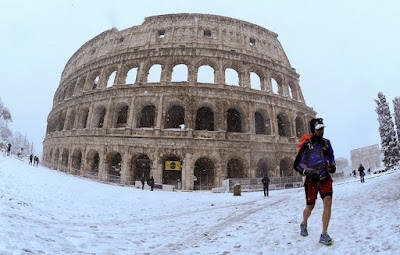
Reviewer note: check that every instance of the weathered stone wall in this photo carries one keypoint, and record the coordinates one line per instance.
(369, 157)
(92, 122)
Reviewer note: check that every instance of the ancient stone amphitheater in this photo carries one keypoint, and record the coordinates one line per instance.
(188, 98)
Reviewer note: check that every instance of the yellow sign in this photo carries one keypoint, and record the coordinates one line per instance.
(173, 165)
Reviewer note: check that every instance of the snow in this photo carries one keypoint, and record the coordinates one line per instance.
(43, 211)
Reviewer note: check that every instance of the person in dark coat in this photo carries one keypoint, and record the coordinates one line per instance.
(150, 182)
(9, 149)
(265, 182)
(142, 181)
(30, 159)
(362, 174)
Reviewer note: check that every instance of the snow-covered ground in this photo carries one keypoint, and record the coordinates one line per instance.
(43, 211)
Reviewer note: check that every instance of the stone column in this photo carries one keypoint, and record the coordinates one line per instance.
(125, 177)
(187, 172)
(156, 170)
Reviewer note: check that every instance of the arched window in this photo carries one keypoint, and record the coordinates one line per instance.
(175, 117)
(205, 119)
(205, 74)
(255, 81)
(154, 74)
(95, 82)
(131, 76)
(234, 121)
(61, 121)
(71, 119)
(259, 123)
(275, 86)
(147, 116)
(122, 116)
(111, 79)
(235, 168)
(231, 77)
(299, 127)
(283, 125)
(83, 117)
(179, 73)
(100, 113)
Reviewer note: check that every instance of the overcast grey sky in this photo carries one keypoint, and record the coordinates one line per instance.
(345, 52)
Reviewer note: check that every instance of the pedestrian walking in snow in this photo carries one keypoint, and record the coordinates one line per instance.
(9, 149)
(30, 159)
(142, 181)
(316, 161)
(36, 161)
(150, 182)
(362, 173)
(265, 182)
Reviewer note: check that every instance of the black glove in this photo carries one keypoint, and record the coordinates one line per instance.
(332, 169)
(311, 173)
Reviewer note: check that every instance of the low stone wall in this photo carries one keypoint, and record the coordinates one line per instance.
(255, 184)
(163, 187)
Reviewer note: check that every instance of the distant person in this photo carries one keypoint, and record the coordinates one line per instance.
(30, 159)
(36, 161)
(354, 173)
(362, 174)
(369, 171)
(265, 182)
(150, 182)
(9, 149)
(142, 181)
(315, 160)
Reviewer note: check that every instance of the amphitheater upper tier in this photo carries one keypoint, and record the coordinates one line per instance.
(188, 98)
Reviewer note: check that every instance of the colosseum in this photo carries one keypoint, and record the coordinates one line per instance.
(188, 98)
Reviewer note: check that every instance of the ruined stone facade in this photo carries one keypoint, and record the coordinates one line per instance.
(110, 121)
(369, 157)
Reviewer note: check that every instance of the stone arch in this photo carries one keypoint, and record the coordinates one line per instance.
(131, 75)
(93, 162)
(50, 156)
(146, 116)
(56, 158)
(174, 116)
(61, 120)
(255, 81)
(111, 79)
(99, 116)
(235, 120)
(129, 72)
(283, 124)
(292, 90)
(170, 177)
(205, 74)
(113, 165)
(83, 118)
(80, 85)
(180, 71)
(94, 80)
(286, 167)
(300, 130)
(120, 115)
(204, 172)
(76, 161)
(205, 119)
(71, 119)
(232, 77)
(70, 89)
(64, 159)
(140, 167)
(262, 122)
(265, 167)
(235, 168)
(154, 73)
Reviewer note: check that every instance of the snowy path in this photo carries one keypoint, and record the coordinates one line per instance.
(47, 212)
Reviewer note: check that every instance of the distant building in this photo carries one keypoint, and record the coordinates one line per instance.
(369, 157)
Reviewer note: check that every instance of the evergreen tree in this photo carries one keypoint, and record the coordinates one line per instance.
(390, 145)
(396, 103)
